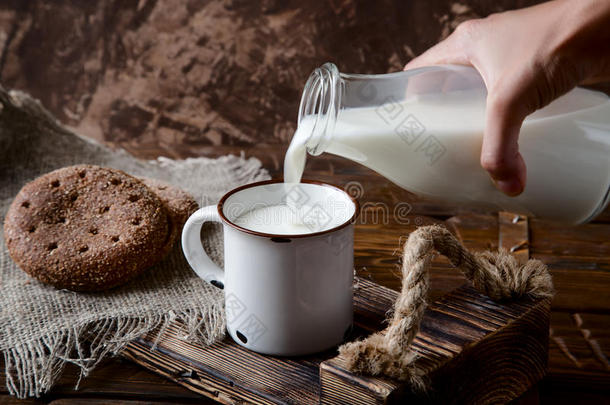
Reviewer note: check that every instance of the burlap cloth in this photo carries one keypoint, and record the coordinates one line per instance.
(41, 328)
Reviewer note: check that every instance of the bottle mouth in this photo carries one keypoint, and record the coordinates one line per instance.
(320, 105)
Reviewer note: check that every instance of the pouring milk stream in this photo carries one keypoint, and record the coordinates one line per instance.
(423, 130)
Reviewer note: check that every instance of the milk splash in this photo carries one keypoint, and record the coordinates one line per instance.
(294, 161)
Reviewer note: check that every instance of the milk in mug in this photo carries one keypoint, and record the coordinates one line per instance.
(285, 219)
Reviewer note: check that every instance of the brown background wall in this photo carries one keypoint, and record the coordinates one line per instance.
(178, 78)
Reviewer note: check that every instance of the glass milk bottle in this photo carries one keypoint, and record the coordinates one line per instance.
(423, 129)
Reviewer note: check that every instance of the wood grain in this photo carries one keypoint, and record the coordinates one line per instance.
(513, 235)
(471, 349)
(463, 335)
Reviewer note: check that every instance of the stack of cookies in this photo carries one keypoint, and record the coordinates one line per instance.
(89, 228)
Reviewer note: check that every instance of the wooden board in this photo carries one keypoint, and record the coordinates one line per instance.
(513, 235)
(471, 349)
(465, 339)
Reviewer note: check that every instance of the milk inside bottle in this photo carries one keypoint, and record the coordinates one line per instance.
(423, 130)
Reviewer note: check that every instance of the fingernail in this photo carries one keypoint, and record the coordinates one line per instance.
(510, 187)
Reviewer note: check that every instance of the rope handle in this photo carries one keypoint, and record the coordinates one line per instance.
(497, 275)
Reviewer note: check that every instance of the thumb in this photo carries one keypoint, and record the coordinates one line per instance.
(448, 51)
(500, 151)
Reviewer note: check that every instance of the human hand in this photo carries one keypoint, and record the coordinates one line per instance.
(527, 58)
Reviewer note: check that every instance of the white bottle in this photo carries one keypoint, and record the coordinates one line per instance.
(423, 130)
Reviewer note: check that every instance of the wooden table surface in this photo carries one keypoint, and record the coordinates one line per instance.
(578, 257)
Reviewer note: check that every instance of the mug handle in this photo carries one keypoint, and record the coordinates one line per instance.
(195, 255)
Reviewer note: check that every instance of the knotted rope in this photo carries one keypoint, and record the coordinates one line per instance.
(498, 275)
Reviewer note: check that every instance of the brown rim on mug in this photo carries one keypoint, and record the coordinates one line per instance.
(271, 235)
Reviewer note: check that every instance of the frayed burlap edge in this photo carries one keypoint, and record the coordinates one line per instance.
(34, 367)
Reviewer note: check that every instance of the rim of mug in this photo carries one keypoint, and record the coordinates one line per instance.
(220, 206)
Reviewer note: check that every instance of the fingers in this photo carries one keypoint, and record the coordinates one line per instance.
(506, 106)
(500, 151)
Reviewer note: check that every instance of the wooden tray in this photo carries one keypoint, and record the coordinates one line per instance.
(472, 350)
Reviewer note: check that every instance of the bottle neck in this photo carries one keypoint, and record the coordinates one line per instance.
(319, 107)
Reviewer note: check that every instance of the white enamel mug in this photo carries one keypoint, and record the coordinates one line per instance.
(284, 294)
